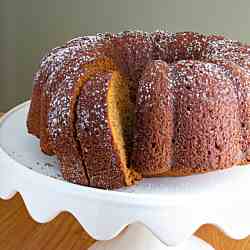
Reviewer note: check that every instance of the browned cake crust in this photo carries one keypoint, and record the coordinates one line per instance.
(172, 47)
(132, 51)
(205, 119)
(46, 68)
(207, 128)
(33, 120)
(103, 165)
(152, 150)
(192, 104)
(241, 82)
(62, 134)
(62, 117)
(59, 64)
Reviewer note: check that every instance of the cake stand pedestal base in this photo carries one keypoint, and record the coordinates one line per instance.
(138, 237)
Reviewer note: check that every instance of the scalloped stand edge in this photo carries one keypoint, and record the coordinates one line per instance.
(138, 237)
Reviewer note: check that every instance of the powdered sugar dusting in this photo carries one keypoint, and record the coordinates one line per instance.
(85, 116)
(227, 50)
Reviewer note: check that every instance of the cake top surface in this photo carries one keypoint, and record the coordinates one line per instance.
(189, 55)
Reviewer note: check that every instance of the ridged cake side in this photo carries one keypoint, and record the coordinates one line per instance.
(205, 122)
(59, 64)
(153, 132)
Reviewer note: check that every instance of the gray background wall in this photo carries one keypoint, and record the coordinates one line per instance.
(30, 27)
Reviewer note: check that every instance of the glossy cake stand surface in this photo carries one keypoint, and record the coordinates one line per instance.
(158, 213)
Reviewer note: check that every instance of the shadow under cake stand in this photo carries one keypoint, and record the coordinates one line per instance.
(158, 213)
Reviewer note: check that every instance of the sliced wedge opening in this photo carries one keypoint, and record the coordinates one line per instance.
(121, 117)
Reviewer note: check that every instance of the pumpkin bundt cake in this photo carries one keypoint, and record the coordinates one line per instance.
(115, 107)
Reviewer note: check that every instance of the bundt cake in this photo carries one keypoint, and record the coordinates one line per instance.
(116, 107)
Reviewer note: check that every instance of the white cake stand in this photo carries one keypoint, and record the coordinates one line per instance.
(162, 213)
